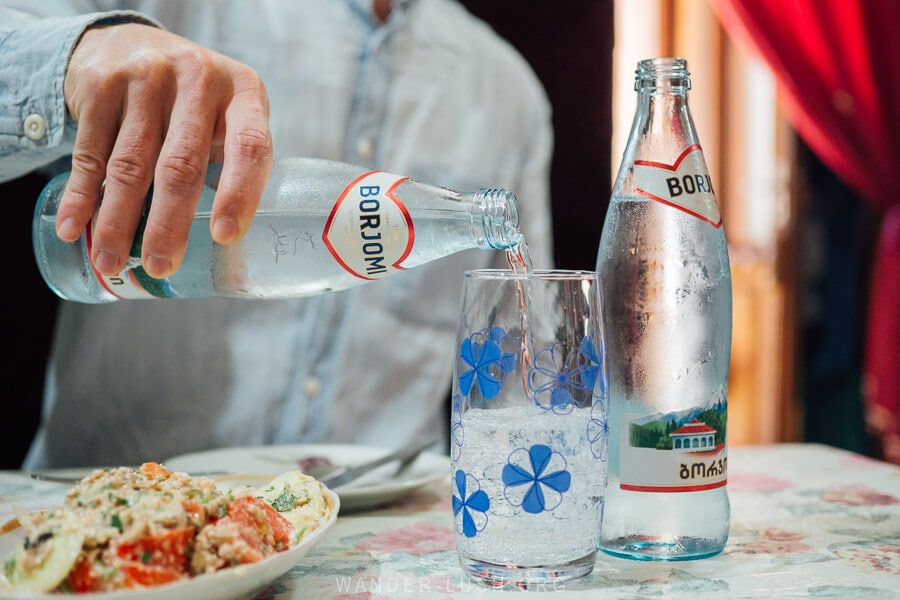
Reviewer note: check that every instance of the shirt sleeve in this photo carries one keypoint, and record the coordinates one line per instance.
(35, 127)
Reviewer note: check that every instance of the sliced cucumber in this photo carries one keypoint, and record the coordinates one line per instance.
(47, 561)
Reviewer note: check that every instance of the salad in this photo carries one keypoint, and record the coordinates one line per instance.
(139, 527)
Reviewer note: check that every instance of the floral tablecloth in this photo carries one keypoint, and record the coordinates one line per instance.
(808, 521)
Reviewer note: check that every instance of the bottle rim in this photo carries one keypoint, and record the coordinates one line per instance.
(500, 219)
(662, 73)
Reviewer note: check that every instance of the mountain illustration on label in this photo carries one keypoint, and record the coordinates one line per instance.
(698, 428)
(685, 185)
(677, 451)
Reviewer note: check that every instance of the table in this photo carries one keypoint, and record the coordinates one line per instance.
(808, 521)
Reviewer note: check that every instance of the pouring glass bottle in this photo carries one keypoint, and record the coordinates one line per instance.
(320, 226)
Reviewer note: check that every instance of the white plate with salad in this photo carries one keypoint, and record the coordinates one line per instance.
(149, 533)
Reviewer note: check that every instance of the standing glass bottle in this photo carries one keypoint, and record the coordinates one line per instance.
(667, 302)
(320, 226)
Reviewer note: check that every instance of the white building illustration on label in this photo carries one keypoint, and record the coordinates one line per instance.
(677, 451)
(695, 436)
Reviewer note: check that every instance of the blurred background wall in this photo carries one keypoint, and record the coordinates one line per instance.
(800, 239)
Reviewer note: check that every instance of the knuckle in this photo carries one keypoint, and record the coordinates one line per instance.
(195, 66)
(182, 168)
(91, 164)
(253, 143)
(147, 69)
(96, 78)
(129, 170)
(194, 57)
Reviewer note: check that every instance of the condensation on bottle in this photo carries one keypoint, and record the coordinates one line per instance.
(320, 226)
(667, 305)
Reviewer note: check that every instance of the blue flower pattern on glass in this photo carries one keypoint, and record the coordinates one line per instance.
(457, 431)
(489, 363)
(470, 510)
(560, 380)
(593, 373)
(536, 479)
(598, 430)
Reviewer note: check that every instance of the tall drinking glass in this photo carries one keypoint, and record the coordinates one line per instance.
(529, 426)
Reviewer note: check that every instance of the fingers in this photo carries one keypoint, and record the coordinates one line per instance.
(181, 168)
(247, 161)
(93, 144)
(157, 116)
(179, 175)
(129, 173)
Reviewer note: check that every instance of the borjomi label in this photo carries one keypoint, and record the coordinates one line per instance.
(369, 231)
(685, 185)
(684, 451)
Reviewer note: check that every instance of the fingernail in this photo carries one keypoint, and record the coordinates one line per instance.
(68, 229)
(157, 266)
(225, 230)
(107, 262)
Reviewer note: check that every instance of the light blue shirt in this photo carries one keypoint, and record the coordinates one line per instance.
(433, 93)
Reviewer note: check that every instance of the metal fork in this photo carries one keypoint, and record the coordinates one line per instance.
(73, 479)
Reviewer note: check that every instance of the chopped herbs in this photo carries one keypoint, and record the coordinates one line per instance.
(9, 566)
(118, 500)
(285, 501)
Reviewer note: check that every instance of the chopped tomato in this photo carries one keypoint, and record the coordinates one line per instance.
(167, 548)
(262, 528)
(240, 511)
(137, 574)
(155, 470)
(196, 511)
(84, 577)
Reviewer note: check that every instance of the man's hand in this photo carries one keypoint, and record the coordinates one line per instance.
(152, 106)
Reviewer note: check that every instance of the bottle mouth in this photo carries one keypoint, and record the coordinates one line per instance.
(665, 73)
(501, 225)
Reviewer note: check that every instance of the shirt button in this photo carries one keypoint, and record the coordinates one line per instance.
(312, 386)
(35, 127)
(364, 148)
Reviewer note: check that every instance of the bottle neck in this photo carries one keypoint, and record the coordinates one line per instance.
(662, 126)
(499, 212)
(663, 159)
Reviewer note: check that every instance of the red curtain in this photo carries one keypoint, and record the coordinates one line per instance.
(837, 63)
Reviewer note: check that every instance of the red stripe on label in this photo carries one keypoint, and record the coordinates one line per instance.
(666, 489)
(679, 207)
(673, 168)
(409, 222)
